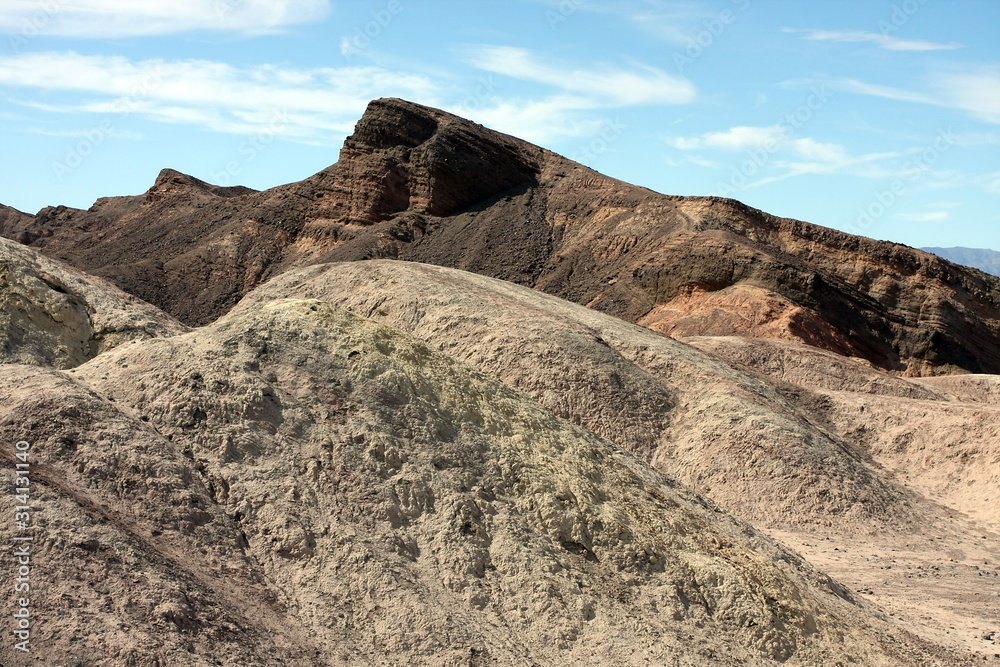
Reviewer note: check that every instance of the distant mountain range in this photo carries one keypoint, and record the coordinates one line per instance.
(979, 258)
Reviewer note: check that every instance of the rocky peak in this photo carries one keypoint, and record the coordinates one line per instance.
(407, 156)
(13, 224)
(170, 183)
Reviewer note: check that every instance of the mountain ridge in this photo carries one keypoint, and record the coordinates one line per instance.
(420, 184)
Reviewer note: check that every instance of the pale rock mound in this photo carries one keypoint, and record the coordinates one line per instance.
(939, 437)
(719, 429)
(54, 315)
(295, 485)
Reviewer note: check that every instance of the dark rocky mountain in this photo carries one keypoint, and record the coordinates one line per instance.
(13, 224)
(419, 184)
(983, 259)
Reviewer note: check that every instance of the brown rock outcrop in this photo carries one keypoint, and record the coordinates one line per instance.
(420, 184)
(14, 223)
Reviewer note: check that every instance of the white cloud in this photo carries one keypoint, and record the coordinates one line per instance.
(977, 92)
(810, 149)
(744, 138)
(572, 102)
(602, 85)
(101, 19)
(930, 216)
(973, 89)
(320, 105)
(855, 86)
(771, 154)
(885, 41)
(308, 105)
(539, 121)
(83, 133)
(701, 162)
(990, 182)
(737, 138)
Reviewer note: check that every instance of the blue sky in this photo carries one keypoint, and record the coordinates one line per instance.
(878, 118)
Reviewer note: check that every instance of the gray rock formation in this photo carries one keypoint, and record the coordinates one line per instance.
(53, 315)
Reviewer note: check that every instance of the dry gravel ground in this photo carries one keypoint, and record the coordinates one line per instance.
(942, 584)
(939, 437)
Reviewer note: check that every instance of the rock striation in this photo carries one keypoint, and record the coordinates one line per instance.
(420, 184)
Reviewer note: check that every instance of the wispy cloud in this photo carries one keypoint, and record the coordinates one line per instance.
(101, 19)
(972, 89)
(778, 156)
(887, 42)
(669, 20)
(540, 121)
(598, 85)
(771, 138)
(989, 182)
(82, 133)
(315, 104)
(929, 216)
(571, 101)
(734, 139)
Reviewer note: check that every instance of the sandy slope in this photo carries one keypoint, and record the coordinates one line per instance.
(722, 430)
(939, 437)
(298, 485)
(779, 415)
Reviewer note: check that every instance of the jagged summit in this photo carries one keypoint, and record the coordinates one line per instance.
(418, 183)
(409, 157)
(172, 183)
